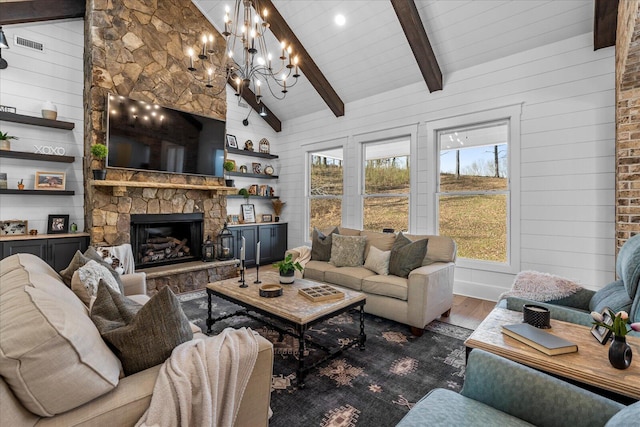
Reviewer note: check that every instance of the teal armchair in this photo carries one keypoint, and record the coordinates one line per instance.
(623, 294)
(499, 392)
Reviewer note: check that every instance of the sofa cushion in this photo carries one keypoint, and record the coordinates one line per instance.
(613, 296)
(406, 255)
(84, 282)
(441, 248)
(315, 270)
(321, 245)
(382, 241)
(387, 286)
(349, 277)
(51, 354)
(378, 261)
(142, 336)
(347, 251)
(349, 231)
(91, 253)
(446, 408)
(622, 418)
(77, 261)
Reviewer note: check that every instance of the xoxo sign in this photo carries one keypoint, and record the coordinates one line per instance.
(48, 149)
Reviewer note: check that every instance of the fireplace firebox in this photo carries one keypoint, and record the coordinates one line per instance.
(162, 239)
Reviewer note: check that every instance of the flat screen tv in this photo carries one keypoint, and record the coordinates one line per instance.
(150, 137)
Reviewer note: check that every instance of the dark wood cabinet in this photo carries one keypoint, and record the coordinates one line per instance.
(56, 251)
(272, 238)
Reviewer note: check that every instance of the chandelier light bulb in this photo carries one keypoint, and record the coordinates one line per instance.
(261, 60)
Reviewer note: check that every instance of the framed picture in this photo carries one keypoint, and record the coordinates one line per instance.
(58, 224)
(248, 213)
(267, 218)
(50, 180)
(601, 333)
(232, 142)
(257, 168)
(13, 227)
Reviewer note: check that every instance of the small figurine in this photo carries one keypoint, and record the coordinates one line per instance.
(20, 185)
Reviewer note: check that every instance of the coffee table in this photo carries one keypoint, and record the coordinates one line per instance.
(590, 365)
(291, 310)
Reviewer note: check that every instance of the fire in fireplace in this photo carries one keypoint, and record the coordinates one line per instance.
(161, 239)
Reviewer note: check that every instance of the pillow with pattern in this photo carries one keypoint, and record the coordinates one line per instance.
(347, 251)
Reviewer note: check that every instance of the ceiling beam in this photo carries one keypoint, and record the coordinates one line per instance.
(605, 21)
(413, 28)
(283, 32)
(42, 10)
(250, 97)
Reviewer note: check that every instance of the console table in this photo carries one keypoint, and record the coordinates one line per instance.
(589, 365)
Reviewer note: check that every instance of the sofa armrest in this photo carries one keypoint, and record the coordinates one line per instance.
(134, 284)
(429, 293)
(295, 254)
(531, 395)
(566, 314)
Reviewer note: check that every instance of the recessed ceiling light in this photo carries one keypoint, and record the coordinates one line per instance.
(340, 20)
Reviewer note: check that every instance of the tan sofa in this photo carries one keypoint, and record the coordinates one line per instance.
(415, 301)
(39, 317)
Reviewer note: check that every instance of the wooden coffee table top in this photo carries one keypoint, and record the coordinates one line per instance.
(291, 305)
(590, 365)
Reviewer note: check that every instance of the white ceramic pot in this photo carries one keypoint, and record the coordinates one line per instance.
(287, 278)
(49, 110)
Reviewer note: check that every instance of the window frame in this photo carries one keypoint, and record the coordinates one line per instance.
(512, 114)
(404, 132)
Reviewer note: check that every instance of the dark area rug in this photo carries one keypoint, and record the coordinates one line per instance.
(374, 387)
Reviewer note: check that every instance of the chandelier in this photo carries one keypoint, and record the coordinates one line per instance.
(245, 61)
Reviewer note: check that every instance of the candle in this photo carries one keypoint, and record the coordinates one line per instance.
(204, 46)
(258, 254)
(191, 59)
(242, 250)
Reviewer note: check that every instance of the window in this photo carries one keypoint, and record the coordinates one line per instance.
(325, 188)
(474, 190)
(386, 185)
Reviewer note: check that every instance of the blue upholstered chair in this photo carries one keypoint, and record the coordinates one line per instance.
(499, 392)
(623, 294)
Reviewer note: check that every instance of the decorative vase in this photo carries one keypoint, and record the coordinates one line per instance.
(287, 278)
(99, 174)
(5, 144)
(20, 186)
(49, 110)
(277, 219)
(620, 353)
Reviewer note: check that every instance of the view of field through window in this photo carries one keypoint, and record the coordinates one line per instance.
(472, 197)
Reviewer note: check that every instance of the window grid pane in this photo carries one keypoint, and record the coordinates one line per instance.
(386, 212)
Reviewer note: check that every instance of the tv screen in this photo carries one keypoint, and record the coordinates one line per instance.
(150, 137)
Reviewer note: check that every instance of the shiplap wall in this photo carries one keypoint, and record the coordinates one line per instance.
(567, 155)
(31, 78)
(255, 131)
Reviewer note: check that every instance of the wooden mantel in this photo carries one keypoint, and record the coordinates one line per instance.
(120, 187)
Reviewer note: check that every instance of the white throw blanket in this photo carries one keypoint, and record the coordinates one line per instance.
(303, 258)
(123, 253)
(542, 287)
(203, 381)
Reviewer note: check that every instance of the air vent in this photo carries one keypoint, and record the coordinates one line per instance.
(29, 44)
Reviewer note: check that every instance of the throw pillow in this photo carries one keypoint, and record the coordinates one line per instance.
(91, 253)
(406, 255)
(378, 261)
(141, 336)
(77, 261)
(347, 251)
(321, 245)
(85, 281)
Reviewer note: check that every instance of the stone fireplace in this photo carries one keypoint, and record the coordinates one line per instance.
(161, 239)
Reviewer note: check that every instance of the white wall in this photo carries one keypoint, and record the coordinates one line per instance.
(31, 78)
(567, 155)
(257, 129)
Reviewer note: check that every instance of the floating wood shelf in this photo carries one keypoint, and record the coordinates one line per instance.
(39, 192)
(36, 156)
(252, 175)
(238, 196)
(120, 187)
(37, 121)
(251, 153)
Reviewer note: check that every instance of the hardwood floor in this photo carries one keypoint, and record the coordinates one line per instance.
(468, 312)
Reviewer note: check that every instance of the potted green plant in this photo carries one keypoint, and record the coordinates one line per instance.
(99, 152)
(5, 141)
(229, 166)
(244, 193)
(287, 269)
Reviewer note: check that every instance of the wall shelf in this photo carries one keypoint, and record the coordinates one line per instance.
(252, 175)
(238, 196)
(37, 121)
(36, 156)
(39, 192)
(120, 187)
(251, 153)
